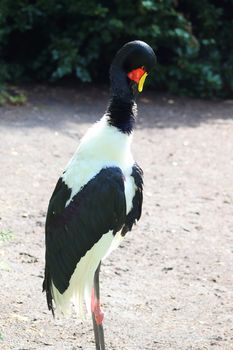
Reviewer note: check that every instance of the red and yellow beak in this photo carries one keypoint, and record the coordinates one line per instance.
(139, 76)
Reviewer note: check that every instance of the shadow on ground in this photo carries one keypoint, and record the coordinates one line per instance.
(53, 106)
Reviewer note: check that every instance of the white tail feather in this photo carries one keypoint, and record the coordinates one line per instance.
(81, 282)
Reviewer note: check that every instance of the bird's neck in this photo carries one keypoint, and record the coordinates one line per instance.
(122, 109)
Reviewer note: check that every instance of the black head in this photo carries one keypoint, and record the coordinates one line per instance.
(135, 60)
(135, 54)
(128, 71)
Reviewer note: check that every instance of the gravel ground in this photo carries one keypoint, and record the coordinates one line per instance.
(170, 284)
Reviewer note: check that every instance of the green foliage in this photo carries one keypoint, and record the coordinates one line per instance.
(5, 235)
(12, 96)
(53, 39)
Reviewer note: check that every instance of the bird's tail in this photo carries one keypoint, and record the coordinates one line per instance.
(78, 291)
(47, 287)
(81, 281)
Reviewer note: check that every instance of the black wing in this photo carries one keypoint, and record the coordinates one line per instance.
(71, 231)
(135, 212)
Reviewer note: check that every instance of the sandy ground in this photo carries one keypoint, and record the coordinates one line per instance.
(170, 285)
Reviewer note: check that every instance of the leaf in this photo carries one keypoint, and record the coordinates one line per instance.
(6, 235)
(83, 74)
(4, 266)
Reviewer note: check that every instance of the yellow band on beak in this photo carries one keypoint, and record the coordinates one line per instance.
(141, 82)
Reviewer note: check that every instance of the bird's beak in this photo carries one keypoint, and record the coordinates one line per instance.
(142, 81)
(138, 76)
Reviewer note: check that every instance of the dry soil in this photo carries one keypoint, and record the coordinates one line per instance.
(170, 284)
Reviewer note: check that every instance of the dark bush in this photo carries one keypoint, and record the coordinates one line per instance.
(52, 39)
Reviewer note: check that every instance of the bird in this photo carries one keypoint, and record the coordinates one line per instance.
(98, 198)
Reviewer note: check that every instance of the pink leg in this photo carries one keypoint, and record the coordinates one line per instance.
(97, 314)
(96, 309)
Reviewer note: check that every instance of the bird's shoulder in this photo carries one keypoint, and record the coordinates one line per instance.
(136, 209)
(137, 174)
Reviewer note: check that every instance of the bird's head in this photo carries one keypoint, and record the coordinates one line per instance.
(131, 65)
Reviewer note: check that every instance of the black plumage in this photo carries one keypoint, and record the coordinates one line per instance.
(72, 230)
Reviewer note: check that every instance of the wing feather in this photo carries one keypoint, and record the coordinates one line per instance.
(135, 213)
(72, 230)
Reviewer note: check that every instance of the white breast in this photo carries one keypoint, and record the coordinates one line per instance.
(102, 146)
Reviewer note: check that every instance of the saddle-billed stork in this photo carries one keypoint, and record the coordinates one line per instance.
(98, 197)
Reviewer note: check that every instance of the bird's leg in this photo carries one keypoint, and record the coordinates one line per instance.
(97, 314)
(95, 327)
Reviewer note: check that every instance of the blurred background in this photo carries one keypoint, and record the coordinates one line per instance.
(50, 40)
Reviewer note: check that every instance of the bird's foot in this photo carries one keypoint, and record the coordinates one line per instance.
(96, 309)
